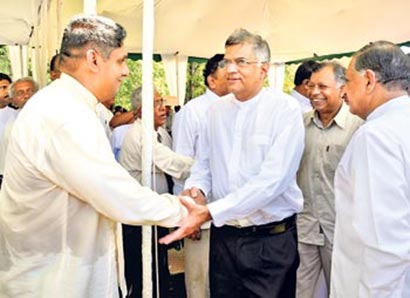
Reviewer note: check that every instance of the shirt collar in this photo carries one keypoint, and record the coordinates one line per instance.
(209, 93)
(339, 120)
(83, 93)
(247, 103)
(393, 103)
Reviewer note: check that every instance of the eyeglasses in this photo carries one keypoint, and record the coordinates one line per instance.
(159, 103)
(28, 92)
(239, 62)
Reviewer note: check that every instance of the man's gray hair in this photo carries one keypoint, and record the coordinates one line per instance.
(339, 70)
(136, 99)
(91, 32)
(390, 64)
(25, 79)
(260, 46)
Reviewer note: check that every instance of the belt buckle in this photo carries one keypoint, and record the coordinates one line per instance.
(280, 228)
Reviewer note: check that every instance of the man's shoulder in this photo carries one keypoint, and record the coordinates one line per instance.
(281, 99)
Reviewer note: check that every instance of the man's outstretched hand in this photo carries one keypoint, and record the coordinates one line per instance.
(197, 215)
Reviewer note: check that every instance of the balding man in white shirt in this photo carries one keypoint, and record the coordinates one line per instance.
(371, 255)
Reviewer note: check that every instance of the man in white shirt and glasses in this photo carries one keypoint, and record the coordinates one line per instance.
(371, 253)
(248, 157)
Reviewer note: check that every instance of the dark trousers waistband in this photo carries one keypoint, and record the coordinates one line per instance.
(272, 228)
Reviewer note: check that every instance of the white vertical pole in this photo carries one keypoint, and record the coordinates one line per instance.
(148, 125)
(90, 7)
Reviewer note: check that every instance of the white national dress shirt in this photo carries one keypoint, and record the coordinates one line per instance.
(165, 160)
(248, 156)
(105, 116)
(6, 114)
(62, 196)
(186, 129)
(371, 254)
(303, 101)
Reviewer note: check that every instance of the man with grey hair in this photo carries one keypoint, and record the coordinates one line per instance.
(63, 192)
(371, 255)
(329, 127)
(166, 162)
(20, 92)
(187, 127)
(248, 156)
(119, 132)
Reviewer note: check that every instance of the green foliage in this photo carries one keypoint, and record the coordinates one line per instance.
(195, 85)
(5, 66)
(290, 70)
(134, 80)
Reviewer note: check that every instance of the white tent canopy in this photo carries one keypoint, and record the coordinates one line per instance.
(197, 28)
(294, 29)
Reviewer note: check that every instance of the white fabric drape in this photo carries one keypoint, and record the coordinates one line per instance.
(19, 61)
(175, 72)
(276, 75)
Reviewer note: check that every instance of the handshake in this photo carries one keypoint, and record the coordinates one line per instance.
(194, 201)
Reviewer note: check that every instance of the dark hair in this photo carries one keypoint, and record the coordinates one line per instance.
(390, 64)
(260, 46)
(211, 66)
(304, 71)
(55, 62)
(84, 32)
(3, 76)
(339, 70)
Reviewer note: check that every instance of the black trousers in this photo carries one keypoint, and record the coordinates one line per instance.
(257, 263)
(132, 242)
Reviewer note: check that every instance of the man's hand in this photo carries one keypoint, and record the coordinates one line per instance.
(196, 194)
(197, 215)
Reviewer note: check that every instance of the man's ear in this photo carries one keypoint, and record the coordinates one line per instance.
(371, 79)
(265, 69)
(211, 82)
(92, 57)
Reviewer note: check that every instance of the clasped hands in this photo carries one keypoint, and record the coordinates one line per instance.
(198, 213)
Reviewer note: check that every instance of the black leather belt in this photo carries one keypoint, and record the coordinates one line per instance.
(266, 229)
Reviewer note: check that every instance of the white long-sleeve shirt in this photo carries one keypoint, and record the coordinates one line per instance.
(248, 156)
(61, 198)
(187, 128)
(371, 254)
(303, 101)
(165, 160)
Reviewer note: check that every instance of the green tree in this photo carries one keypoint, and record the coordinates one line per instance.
(195, 85)
(134, 80)
(5, 66)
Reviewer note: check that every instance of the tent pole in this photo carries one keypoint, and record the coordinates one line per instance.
(147, 124)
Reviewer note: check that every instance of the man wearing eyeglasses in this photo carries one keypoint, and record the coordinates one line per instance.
(329, 127)
(248, 156)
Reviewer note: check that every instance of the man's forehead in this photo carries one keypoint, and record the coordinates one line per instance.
(4, 83)
(325, 73)
(239, 50)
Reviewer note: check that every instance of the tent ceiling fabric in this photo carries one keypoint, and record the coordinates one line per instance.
(198, 28)
(17, 20)
(294, 29)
